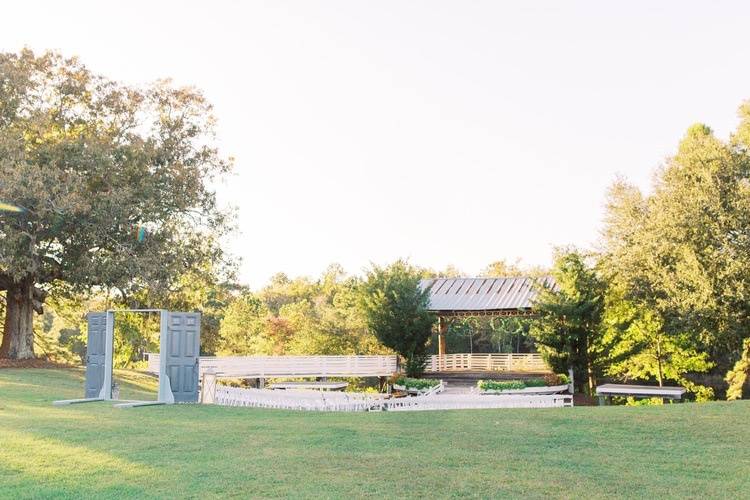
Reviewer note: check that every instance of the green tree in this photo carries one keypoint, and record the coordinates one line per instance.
(502, 269)
(738, 375)
(396, 310)
(680, 254)
(300, 316)
(208, 286)
(568, 329)
(110, 181)
(243, 328)
(645, 350)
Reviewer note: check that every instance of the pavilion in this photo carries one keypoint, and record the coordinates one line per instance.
(461, 297)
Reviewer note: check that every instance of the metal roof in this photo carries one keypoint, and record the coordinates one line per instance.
(482, 295)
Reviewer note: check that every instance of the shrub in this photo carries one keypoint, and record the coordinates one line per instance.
(416, 383)
(505, 385)
(631, 401)
(536, 382)
(556, 379)
(500, 385)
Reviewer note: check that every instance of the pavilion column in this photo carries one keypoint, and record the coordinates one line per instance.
(442, 331)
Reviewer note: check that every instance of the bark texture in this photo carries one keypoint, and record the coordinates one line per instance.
(18, 330)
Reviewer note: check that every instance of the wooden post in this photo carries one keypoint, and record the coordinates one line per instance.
(442, 331)
(572, 387)
(208, 387)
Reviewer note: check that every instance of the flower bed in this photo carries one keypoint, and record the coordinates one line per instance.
(548, 385)
(415, 385)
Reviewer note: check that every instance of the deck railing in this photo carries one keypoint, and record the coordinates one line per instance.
(503, 362)
(356, 366)
(292, 366)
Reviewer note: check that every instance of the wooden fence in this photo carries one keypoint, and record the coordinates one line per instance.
(292, 366)
(356, 366)
(503, 362)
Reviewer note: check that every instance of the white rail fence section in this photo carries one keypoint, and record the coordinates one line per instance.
(292, 366)
(503, 362)
(356, 366)
(357, 402)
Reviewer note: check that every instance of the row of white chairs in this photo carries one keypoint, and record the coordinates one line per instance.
(297, 400)
(476, 401)
(349, 401)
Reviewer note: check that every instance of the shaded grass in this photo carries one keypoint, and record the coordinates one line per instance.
(682, 450)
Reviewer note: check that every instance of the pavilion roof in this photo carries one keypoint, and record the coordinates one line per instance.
(483, 296)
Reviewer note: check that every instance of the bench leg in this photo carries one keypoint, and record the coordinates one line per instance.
(602, 401)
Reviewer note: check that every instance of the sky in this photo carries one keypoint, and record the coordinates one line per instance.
(446, 132)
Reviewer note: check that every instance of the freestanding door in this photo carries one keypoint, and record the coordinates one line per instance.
(95, 353)
(181, 356)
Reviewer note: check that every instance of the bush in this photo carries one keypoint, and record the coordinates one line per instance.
(536, 382)
(631, 401)
(506, 385)
(500, 385)
(416, 383)
(556, 379)
(414, 366)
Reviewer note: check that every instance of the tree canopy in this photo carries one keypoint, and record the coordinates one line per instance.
(299, 316)
(568, 329)
(396, 308)
(110, 184)
(676, 260)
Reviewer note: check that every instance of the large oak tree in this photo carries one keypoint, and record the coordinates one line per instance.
(104, 185)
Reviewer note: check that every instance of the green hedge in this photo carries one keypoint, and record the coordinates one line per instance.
(506, 385)
(500, 385)
(416, 383)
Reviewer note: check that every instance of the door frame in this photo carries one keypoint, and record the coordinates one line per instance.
(165, 390)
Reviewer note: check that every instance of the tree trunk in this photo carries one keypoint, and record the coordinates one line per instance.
(18, 331)
(658, 362)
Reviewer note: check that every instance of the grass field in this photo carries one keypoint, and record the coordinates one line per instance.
(682, 450)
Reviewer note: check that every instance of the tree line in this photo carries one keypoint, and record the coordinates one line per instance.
(106, 202)
(666, 296)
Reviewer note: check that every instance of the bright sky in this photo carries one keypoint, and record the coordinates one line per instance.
(446, 132)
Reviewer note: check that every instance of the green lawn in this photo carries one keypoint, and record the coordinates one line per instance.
(682, 450)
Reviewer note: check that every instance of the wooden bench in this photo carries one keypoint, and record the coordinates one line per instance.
(606, 391)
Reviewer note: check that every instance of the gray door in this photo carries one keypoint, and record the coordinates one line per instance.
(95, 353)
(183, 347)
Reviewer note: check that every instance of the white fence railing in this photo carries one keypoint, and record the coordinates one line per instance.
(504, 362)
(357, 366)
(292, 366)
